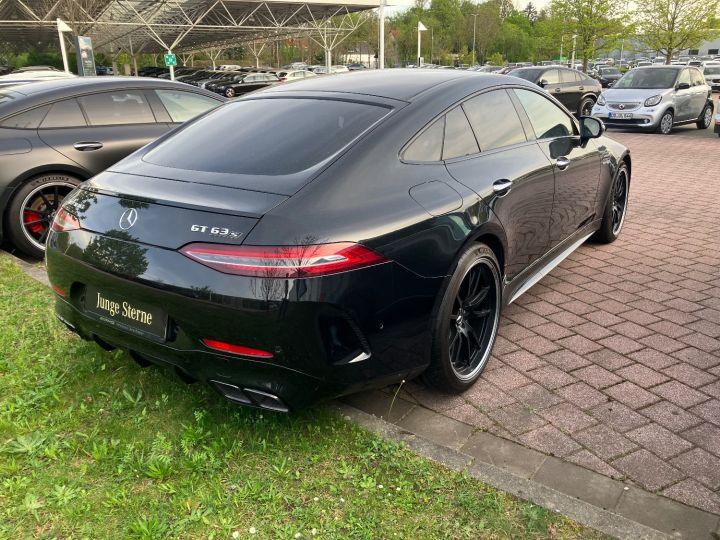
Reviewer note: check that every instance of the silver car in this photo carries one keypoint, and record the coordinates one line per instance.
(712, 75)
(657, 98)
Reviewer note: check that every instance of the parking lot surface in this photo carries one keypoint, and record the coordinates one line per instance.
(612, 361)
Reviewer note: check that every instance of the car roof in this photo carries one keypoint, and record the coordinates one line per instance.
(36, 93)
(400, 84)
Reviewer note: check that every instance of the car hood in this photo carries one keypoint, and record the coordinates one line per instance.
(611, 76)
(632, 94)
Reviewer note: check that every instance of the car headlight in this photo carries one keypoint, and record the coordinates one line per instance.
(652, 101)
(601, 100)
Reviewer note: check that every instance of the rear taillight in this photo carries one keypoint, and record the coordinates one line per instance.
(283, 261)
(64, 221)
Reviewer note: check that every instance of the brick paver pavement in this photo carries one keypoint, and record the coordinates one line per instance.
(613, 360)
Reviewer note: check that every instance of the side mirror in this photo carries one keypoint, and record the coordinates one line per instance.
(682, 86)
(542, 83)
(591, 127)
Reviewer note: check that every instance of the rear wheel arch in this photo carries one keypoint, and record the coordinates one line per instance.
(496, 245)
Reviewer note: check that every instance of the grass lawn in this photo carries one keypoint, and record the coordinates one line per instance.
(92, 446)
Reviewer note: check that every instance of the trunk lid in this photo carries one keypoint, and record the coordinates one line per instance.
(167, 213)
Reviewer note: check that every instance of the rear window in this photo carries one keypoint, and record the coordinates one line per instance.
(266, 136)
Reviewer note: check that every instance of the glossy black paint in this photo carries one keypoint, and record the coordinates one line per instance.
(569, 86)
(26, 153)
(419, 216)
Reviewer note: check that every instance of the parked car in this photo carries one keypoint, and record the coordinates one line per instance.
(104, 70)
(294, 75)
(281, 265)
(574, 89)
(231, 77)
(657, 99)
(608, 76)
(356, 67)
(248, 82)
(712, 75)
(55, 134)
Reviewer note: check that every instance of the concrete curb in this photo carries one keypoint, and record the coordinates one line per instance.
(576, 509)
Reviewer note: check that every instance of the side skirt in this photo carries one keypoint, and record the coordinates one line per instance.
(544, 266)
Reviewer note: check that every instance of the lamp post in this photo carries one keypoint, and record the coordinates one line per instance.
(475, 16)
(63, 27)
(572, 62)
(420, 28)
(562, 40)
(432, 44)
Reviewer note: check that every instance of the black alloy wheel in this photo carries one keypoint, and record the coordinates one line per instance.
(33, 209)
(705, 118)
(615, 208)
(620, 198)
(586, 107)
(467, 322)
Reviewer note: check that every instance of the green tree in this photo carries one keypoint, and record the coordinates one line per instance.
(673, 25)
(531, 13)
(596, 24)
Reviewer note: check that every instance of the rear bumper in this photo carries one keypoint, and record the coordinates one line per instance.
(328, 336)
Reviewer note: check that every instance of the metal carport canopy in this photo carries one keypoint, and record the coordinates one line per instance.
(153, 26)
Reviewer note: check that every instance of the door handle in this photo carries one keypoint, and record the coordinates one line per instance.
(562, 163)
(582, 88)
(501, 187)
(557, 90)
(87, 146)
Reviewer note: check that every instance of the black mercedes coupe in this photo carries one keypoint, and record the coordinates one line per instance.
(376, 240)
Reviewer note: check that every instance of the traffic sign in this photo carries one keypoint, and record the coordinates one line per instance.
(170, 59)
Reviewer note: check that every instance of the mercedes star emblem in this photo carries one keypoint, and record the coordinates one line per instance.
(128, 219)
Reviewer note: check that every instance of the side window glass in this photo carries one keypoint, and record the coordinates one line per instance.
(494, 120)
(579, 77)
(685, 77)
(64, 114)
(119, 107)
(28, 120)
(698, 79)
(547, 119)
(459, 137)
(552, 76)
(567, 76)
(182, 106)
(428, 146)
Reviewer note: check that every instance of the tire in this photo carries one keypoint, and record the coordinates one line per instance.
(615, 208)
(585, 107)
(32, 209)
(466, 322)
(705, 118)
(665, 124)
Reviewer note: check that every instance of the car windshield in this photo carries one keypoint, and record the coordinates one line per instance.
(527, 74)
(252, 136)
(609, 71)
(712, 70)
(648, 78)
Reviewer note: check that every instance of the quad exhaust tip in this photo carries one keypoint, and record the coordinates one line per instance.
(249, 396)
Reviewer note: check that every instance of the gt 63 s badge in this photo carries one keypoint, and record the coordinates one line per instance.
(216, 231)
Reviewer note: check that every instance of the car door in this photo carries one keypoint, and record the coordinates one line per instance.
(510, 173)
(684, 96)
(570, 89)
(700, 93)
(576, 167)
(550, 80)
(98, 130)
